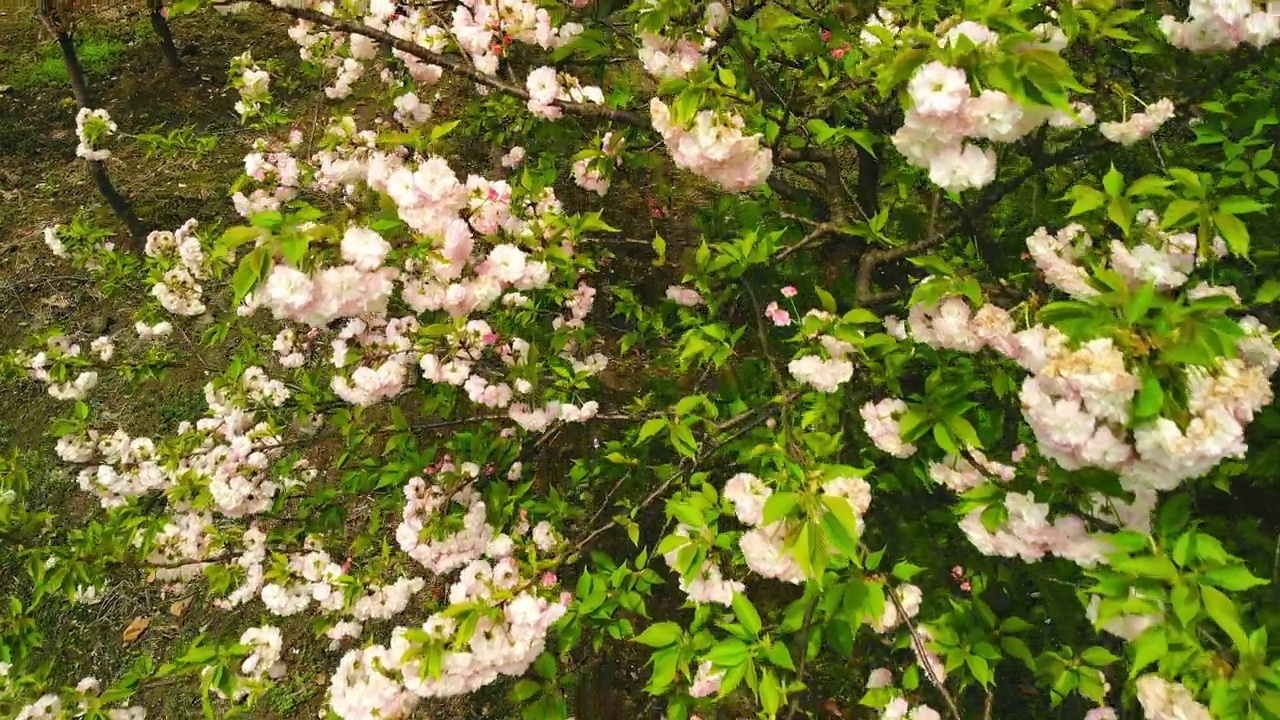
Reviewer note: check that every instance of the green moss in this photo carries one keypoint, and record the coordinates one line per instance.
(99, 52)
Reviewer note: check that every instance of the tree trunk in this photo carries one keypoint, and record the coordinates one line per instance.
(84, 99)
(75, 71)
(119, 205)
(161, 25)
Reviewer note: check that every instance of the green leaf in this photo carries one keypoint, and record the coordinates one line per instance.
(827, 300)
(1234, 232)
(1158, 567)
(1140, 303)
(1235, 578)
(746, 613)
(1176, 211)
(904, 570)
(1016, 648)
(443, 129)
(660, 248)
(650, 428)
(1149, 647)
(980, 668)
(1186, 602)
(1086, 199)
(1268, 293)
(779, 505)
(1224, 613)
(778, 655)
(1098, 656)
(727, 653)
(1147, 186)
(1240, 205)
(1113, 181)
(249, 273)
(964, 431)
(659, 635)
(1149, 400)
(524, 690)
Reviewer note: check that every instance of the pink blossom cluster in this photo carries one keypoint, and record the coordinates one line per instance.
(59, 358)
(1164, 700)
(686, 296)
(426, 506)
(899, 709)
(184, 263)
(278, 170)
(706, 681)
(958, 474)
(1140, 125)
(229, 453)
(388, 681)
(909, 596)
(266, 648)
(707, 584)
(410, 110)
(715, 148)
(594, 167)
(484, 28)
(253, 83)
(880, 420)
(673, 57)
(1078, 402)
(289, 351)
(950, 324)
(385, 360)
(547, 88)
(319, 299)
(1056, 257)
(764, 546)
(883, 19)
(92, 127)
(945, 113)
(822, 374)
(1028, 534)
(1219, 25)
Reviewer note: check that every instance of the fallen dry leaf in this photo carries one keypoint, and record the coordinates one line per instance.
(179, 607)
(135, 629)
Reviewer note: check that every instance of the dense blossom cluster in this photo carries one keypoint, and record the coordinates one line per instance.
(1163, 700)
(1219, 25)
(945, 113)
(708, 583)
(180, 251)
(715, 148)
(92, 127)
(764, 546)
(665, 57)
(56, 363)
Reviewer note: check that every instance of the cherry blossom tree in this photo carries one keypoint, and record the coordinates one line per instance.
(974, 321)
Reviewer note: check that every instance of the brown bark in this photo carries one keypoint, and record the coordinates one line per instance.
(160, 24)
(84, 99)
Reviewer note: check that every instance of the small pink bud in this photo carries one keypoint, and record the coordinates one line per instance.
(789, 291)
(548, 579)
(826, 35)
(965, 586)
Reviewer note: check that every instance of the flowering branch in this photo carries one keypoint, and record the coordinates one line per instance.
(867, 265)
(453, 64)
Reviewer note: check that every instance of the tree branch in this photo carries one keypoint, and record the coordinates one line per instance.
(867, 265)
(454, 64)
